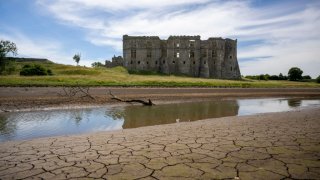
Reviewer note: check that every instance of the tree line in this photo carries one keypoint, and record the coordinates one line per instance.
(294, 74)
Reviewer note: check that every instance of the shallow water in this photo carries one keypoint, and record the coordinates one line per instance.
(33, 124)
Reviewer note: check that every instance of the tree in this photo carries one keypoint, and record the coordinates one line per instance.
(295, 74)
(262, 77)
(77, 58)
(6, 47)
(306, 77)
(318, 79)
(97, 64)
(274, 77)
(281, 77)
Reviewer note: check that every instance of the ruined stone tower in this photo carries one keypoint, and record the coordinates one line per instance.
(182, 55)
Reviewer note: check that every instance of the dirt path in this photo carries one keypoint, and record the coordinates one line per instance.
(12, 98)
(266, 146)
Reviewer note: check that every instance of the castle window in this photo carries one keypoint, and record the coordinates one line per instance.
(148, 53)
(173, 62)
(130, 62)
(177, 44)
(194, 62)
(133, 53)
(177, 55)
(184, 62)
(147, 62)
(191, 43)
(231, 68)
(204, 62)
(163, 62)
(138, 62)
(191, 54)
(156, 62)
(230, 57)
(213, 53)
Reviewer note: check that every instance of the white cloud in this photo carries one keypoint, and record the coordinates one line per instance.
(289, 32)
(41, 48)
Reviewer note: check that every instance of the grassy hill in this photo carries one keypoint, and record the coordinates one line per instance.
(67, 75)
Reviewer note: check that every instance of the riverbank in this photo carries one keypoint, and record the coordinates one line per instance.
(20, 98)
(263, 146)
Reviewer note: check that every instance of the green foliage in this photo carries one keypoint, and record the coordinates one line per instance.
(49, 72)
(7, 66)
(282, 77)
(318, 79)
(263, 77)
(273, 77)
(97, 64)
(295, 74)
(77, 58)
(35, 70)
(306, 77)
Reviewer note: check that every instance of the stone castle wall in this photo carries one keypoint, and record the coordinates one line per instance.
(116, 61)
(182, 55)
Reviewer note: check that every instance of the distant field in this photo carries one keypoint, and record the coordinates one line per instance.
(67, 75)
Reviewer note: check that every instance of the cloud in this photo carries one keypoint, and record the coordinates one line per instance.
(40, 48)
(286, 33)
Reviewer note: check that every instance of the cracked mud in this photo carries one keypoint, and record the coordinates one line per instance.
(267, 146)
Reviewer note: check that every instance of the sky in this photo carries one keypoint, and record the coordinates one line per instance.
(272, 35)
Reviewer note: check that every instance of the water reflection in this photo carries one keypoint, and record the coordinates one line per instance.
(28, 125)
(136, 116)
(7, 127)
(294, 102)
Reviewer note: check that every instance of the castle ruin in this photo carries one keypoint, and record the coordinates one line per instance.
(182, 55)
(116, 61)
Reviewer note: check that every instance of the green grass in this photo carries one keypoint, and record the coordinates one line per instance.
(67, 75)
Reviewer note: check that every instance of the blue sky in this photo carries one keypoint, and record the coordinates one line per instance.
(272, 35)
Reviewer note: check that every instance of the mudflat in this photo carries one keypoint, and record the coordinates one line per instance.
(264, 146)
(13, 98)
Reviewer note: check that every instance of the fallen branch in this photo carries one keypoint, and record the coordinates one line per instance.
(77, 90)
(145, 103)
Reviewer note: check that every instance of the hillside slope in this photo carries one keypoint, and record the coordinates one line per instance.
(68, 75)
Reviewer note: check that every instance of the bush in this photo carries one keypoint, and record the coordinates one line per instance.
(306, 77)
(263, 77)
(318, 79)
(274, 77)
(97, 64)
(35, 70)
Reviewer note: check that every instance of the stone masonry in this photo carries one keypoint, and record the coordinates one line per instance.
(182, 55)
(116, 61)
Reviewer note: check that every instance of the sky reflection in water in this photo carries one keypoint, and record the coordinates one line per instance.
(28, 125)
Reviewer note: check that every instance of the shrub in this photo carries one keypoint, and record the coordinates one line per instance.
(318, 79)
(35, 70)
(274, 77)
(263, 77)
(306, 77)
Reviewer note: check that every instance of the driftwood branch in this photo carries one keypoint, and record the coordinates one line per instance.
(76, 91)
(146, 103)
